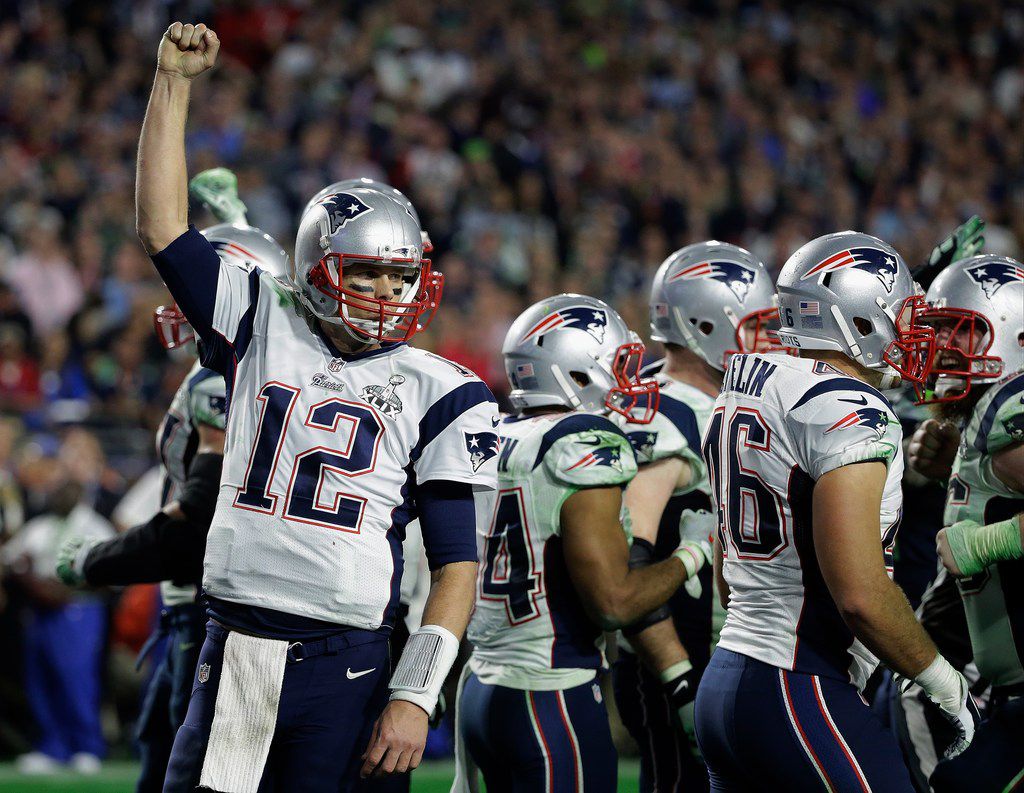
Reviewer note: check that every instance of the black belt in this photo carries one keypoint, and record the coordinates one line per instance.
(335, 642)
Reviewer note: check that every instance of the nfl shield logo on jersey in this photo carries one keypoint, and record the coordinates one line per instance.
(482, 446)
(204, 673)
(384, 397)
(336, 365)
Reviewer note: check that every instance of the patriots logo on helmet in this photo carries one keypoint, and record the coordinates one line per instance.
(873, 418)
(232, 253)
(993, 276)
(342, 208)
(599, 455)
(738, 277)
(592, 320)
(879, 263)
(482, 446)
(643, 444)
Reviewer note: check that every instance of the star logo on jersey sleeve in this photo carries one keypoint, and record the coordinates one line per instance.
(481, 446)
(643, 444)
(599, 455)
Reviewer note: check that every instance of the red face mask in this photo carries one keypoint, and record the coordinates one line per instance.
(962, 340)
(761, 328)
(172, 329)
(632, 397)
(912, 351)
(380, 320)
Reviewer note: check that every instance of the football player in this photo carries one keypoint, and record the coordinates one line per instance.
(337, 434)
(805, 459)
(555, 560)
(708, 301)
(977, 310)
(169, 548)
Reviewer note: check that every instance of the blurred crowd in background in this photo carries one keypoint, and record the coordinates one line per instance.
(548, 145)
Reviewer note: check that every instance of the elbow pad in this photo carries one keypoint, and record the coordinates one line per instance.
(641, 554)
(199, 496)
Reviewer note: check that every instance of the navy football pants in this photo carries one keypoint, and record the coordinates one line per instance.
(764, 728)
(324, 718)
(166, 700)
(539, 741)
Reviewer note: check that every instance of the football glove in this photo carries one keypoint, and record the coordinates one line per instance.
(695, 531)
(965, 240)
(217, 188)
(974, 546)
(679, 682)
(71, 559)
(948, 689)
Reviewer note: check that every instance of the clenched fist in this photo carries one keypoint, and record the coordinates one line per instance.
(933, 449)
(187, 50)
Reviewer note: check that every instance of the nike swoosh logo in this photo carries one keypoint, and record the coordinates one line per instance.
(353, 675)
(495, 422)
(861, 401)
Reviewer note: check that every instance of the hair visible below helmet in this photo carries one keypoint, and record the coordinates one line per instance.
(853, 293)
(382, 187)
(575, 351)
(237, 244)
(976, 307)
(707, 295)
(363, 226)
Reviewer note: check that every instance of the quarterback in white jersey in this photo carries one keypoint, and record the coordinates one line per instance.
(709, 301)
(554, 562)
(337, 435)
(805, 459)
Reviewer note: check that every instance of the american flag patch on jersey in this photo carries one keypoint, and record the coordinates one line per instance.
(810, 308)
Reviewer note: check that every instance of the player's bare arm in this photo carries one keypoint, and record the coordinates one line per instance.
(161, 188)
(396, 744)
(597, 555)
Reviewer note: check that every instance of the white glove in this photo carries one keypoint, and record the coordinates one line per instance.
(695, 532)
(948, 689)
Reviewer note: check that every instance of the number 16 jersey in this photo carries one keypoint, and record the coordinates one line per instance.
(779, 425)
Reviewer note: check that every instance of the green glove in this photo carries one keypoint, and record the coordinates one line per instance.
(965, 240)
(70, 559)
(217, 188)
(975, 547)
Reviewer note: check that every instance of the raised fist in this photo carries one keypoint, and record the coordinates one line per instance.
(187, 50)
(933, 448)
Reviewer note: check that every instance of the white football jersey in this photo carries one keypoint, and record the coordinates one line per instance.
(529, 628)
(199, 399)
(323, 454)
(779, 424)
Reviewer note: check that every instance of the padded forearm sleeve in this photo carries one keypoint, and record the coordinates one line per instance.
(162, 549)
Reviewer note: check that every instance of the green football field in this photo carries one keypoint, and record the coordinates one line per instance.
(431, 777)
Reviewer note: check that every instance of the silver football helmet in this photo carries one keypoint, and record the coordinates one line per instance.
(383, 187)
(359, 227)
(976, 307)
(853, 293)
(716, 299)
(238, 244)
(575, 351)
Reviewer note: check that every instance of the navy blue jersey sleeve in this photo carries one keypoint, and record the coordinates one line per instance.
(448, 521)
(219, 300)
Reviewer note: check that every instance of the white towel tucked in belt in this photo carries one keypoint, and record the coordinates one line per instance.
(245, 713)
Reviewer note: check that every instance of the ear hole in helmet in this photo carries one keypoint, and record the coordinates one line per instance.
(864, 326)
(704, 327)
(580, 378)
(1020, 339)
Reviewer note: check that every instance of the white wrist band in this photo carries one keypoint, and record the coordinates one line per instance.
(426, 660)
(942, 683)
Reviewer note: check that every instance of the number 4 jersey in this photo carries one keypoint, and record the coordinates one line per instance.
(529, 629)
(779, 424)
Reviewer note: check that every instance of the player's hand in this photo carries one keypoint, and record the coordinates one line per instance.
(694, 551)
(397, 740)
(681, 690)
(187, 50)
(69, 560)
(933, 449)
(946, 553)
(965, 240)
(964, 717)
(218, 189)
